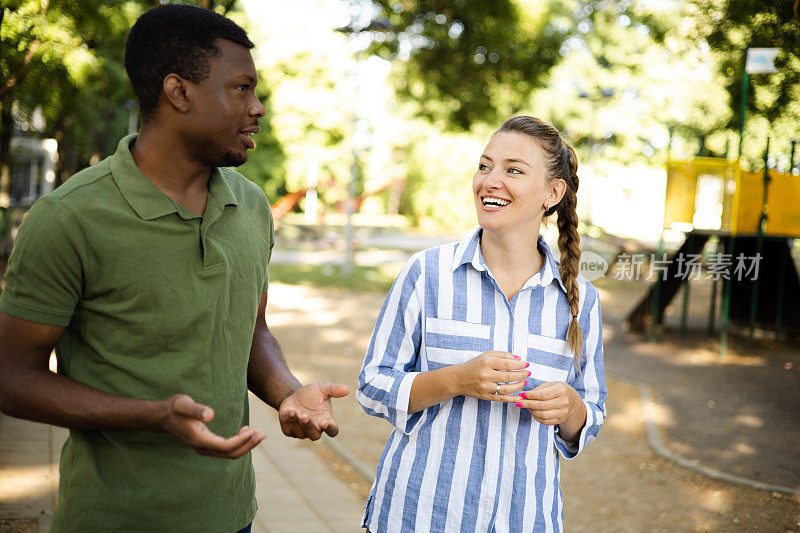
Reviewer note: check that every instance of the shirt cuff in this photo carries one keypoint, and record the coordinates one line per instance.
(569, 450)
(403, 420)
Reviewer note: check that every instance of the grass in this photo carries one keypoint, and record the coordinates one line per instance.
(363, 278)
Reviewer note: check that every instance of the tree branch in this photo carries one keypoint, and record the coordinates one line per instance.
(19, 75)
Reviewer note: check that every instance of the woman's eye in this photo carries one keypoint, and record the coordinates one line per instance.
(483, 167)
(513, 170)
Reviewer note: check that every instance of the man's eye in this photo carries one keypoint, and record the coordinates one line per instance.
(243, 87)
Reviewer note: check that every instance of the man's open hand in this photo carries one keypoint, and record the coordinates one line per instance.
(307, 412)
(186, 420)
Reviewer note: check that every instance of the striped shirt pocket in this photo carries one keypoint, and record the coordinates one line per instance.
(550, 360)
(452, 342)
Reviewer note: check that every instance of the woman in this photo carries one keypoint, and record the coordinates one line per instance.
(487, 356)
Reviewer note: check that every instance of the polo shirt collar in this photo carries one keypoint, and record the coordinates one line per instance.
(145, 198)
(468, 251)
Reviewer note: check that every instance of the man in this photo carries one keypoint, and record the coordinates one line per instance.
(148, 271)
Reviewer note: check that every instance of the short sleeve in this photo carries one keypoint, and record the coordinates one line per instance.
(46, 271)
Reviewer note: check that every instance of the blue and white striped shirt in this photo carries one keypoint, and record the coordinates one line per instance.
(468, 464)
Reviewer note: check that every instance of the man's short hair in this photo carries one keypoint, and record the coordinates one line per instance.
(174, 39)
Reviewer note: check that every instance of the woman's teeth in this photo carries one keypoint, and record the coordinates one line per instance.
(497, 202)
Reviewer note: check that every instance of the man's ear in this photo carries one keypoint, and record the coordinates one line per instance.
(174, 89)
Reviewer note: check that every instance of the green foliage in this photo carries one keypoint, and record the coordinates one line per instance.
(732, 26)
(773, 103)
(265, 164)
(467, 62)
(628, 77)
(438, 187)
(71, 55)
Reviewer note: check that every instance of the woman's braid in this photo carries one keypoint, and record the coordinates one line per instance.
(569, 243)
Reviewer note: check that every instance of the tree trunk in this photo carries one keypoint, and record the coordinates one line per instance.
(67, 159)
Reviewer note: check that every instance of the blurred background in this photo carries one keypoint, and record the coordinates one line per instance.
(685, 115)
(399, 97)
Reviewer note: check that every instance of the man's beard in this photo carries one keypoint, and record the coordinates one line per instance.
(230, 159)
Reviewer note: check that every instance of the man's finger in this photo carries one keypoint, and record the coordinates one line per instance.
(291, 426)
(334, 390)
(288, 414)
(216, 443)
(331, 429)
(287, 425)
(310, 430)
(252, 441)
(187, 407)
(248, 445)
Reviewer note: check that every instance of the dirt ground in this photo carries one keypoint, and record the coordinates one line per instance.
(617, 484)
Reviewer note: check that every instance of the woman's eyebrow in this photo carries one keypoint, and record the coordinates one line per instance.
(517, 161)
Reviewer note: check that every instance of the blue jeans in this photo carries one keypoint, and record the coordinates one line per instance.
(246, 529)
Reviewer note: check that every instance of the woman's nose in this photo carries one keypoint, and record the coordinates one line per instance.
(494, 180)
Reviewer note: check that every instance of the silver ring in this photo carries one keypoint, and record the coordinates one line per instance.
(497, 389)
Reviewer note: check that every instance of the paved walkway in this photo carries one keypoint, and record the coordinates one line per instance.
(296, 490)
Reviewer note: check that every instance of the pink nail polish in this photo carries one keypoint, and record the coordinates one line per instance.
(518, 404)
(517, 357)
(527, 365)
(523, 394)
(529, 375)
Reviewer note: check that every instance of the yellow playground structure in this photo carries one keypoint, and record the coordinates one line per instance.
(753, 218)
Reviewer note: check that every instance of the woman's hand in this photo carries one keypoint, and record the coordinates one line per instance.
(556, 403)
(479, 377)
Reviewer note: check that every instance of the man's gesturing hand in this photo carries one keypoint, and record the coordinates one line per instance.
(185, 419)
(307, 412)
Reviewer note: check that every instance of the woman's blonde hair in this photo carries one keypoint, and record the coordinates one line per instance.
(561, 163)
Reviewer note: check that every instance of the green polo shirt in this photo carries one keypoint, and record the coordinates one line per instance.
(156, 301)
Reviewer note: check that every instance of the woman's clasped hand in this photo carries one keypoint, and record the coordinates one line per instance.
(480, 376)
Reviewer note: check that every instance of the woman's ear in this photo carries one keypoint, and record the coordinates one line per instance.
(174, 89)
(556, 190)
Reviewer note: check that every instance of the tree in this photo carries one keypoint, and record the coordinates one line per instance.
(732, 26)
(466, 62)
(66, 59)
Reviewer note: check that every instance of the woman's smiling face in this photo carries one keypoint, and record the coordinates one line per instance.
(511, 186)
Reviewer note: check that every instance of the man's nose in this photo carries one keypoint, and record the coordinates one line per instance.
(257, 109)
